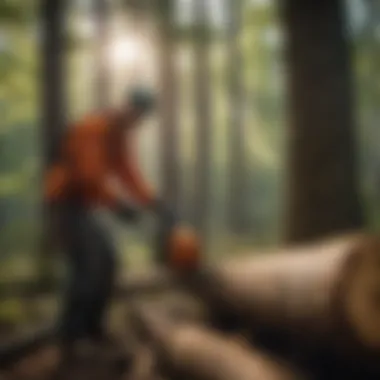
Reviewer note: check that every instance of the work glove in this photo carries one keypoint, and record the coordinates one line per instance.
(126, 212)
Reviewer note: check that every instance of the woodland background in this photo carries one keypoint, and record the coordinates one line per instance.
(221, 148)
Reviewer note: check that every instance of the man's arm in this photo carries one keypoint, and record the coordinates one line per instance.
(130, 176)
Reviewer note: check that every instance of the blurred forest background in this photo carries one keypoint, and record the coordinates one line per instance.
(219, 68)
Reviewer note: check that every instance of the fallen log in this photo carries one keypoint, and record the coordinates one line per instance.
(153, 281)
(187, 351)
(325, 292)
(149, 282)
(16, 348)
(21, 346)
(180, 305)
(38, 365)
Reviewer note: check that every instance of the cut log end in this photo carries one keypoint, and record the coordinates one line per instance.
(323, 293)
(362, 299)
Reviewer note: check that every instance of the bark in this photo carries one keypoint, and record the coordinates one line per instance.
(168, 128)
(52, 70)
(322, 169)
(53, 109)
(169, 107)
(203, 125)
(102, 84)
(236, 175)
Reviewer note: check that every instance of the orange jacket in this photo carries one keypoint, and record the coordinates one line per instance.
(92, 150)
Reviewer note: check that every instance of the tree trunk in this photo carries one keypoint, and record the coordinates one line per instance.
(169, 106)
(368, 49)
(169, 139)
(323, 186)
(236, 175)
(203, 127)
(53, 110)
(102, 88)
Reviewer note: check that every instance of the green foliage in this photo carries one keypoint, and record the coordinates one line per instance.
(15, 11)
(18, 148)
(12, 313)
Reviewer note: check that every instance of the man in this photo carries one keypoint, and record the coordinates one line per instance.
(93, 149)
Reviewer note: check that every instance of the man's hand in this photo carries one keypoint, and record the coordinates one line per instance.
(126, 212)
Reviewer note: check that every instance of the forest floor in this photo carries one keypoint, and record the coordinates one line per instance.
(17, 312)
(101, 363)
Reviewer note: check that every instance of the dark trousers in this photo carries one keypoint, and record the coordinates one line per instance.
(91, 264)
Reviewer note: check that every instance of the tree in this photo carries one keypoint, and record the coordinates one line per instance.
(169, 105)
(236, 174)
(52, 103)
(202, 119)
(367, 54)
(102, 74)
(262, 42)
(323, 188)
(169, 139)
